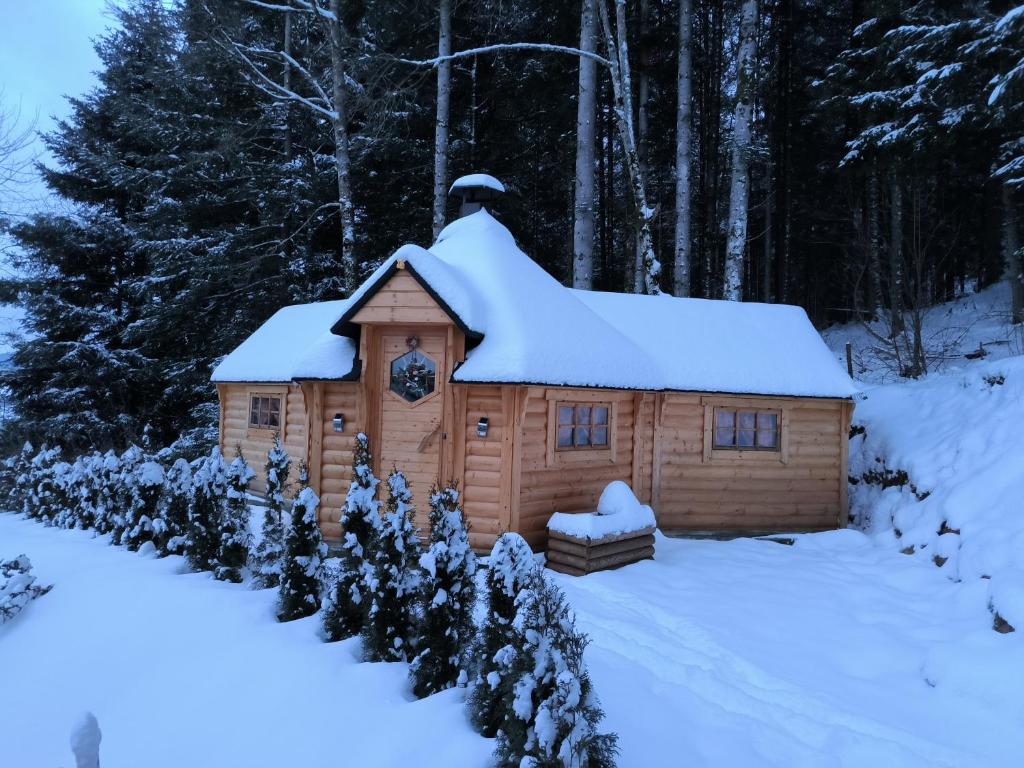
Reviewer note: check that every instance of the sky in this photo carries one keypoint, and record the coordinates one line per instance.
(46, 53)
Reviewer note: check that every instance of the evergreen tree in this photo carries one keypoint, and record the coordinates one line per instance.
(40, 501)
(391, 618)
(209, 490)
(270, 550)
(64, 502)
(107, 470)
(447, 596)
(124, 493)
(550, 710)
(510, 570)
(304, 553)
(20, 480)
(233, 552)
(360, 520)
(147, 486)
(170, 528)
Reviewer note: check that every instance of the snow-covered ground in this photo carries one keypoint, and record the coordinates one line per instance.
(839, 650)
(830, 652)
(181, 670)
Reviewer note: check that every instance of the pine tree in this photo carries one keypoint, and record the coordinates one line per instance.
(147, 486)
(21, 478)
(550, 709)
(360, 520)
(270, 550)
(106, 472)
(510, 570)
(209, 490)
(447, 596)
(391, 618)
(304, 552)
(40, 502)
(63, 495)
(124, 492)
(170, 529)
(233, 552)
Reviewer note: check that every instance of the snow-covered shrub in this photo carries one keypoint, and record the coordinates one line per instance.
(345, 613)
(550, 710)
(304, 553)
(17, 587)
(510, 570)
(147, 485)
(20, 479)
(447, 595)
(209, 489)
(105, 476)
(391, 618)
(170, 528)
(124, 493)
(270, 549)
(233, 552)
(41, 498)
(63, 495)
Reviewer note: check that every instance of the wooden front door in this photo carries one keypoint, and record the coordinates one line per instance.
(414, 376)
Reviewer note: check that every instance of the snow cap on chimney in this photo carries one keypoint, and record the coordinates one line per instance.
(474, 190)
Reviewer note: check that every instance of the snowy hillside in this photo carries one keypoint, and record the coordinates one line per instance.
(937, 467)
(951, 331)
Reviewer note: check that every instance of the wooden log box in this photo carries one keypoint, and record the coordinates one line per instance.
(579, 556)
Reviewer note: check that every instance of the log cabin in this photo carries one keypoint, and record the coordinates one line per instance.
(468, 362)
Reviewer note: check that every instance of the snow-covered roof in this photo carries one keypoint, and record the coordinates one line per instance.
(477, 180)
(530, 329)
(295, 343)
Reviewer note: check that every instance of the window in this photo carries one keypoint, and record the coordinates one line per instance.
(413, 376)
(746, 430)
(582, 426)
(264, 412)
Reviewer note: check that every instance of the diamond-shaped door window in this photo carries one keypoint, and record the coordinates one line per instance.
(413, 376)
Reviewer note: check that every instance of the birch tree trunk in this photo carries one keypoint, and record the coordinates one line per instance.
(643, 94)
(586, 116)
(339, 123)
(617, 47)
(739, 190)
(684, 122)
(1012, 256)
(444, 75)
(895, 254)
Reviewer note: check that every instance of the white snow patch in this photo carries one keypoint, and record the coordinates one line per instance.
(477, 180)
(295, 343)
(618, 512)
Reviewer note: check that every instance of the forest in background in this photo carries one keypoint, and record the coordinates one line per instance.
(854, 157)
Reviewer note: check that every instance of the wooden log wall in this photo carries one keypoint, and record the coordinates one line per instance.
(336, 451)
(547, 486)
(484, 463)
(723, 491)
(255, 444)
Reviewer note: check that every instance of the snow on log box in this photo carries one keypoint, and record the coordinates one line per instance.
(619, 533)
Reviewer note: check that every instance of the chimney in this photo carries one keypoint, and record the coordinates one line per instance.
(474, 190)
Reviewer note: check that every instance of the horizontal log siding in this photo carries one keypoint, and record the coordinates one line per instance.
(803, 494)
(577, 487)
(256, 444)
(483, 474)
(336, 460)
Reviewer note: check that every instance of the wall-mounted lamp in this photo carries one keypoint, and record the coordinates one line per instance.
(339, 422)
(481, 427)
